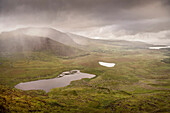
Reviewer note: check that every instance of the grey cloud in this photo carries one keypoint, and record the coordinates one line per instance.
(80, 14)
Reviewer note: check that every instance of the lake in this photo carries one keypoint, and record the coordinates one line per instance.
(159, 47)
(107, 64)
(48, 84)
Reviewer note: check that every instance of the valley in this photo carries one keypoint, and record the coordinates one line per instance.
(139, 82)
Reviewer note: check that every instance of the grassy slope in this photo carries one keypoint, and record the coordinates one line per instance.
(138, 83)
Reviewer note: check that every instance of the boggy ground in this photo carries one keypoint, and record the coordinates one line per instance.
(139, 82)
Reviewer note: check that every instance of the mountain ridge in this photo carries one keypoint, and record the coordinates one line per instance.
(12, 43)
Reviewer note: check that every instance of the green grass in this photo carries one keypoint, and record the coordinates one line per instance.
(139, 82)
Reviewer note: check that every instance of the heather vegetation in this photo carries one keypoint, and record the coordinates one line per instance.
(84, 56)
(138, 83)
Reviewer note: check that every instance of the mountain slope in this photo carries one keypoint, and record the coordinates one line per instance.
(77, 40)
(60, 43)
(84, 41)
(11, 42)
(47, 32)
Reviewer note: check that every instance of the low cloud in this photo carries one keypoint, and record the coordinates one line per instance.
(125, 16)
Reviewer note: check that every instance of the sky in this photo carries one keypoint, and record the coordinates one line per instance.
(134, 20)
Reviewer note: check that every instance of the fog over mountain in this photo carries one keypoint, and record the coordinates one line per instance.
(134, 20)
(17, 42)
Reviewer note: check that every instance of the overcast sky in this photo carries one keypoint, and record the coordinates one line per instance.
(110, 19)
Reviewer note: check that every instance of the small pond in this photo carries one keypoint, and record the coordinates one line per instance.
(107, 64)
(62, 80)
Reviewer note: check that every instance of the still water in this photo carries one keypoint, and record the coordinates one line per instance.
(48, 84)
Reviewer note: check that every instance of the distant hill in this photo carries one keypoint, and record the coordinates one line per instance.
(77, 40)
(12, 42)
(124, 43)
(47, 32)
(58, 43)
(84, 41)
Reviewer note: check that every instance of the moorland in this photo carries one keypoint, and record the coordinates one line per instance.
(139, 82)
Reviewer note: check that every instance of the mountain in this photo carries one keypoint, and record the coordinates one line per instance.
(84, 41)
(56, 42)
(81, 40)
(124, 43)
(77, 40)
(14, 42)
(47, 32)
